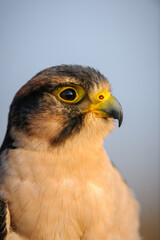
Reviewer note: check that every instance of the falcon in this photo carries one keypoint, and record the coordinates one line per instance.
(56, 180)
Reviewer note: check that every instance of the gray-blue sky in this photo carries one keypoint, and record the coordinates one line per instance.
(122, 40)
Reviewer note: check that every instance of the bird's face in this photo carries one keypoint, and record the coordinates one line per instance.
(61, 103)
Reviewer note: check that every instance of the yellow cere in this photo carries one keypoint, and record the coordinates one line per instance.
(70, 94)
(102, 96)
(97, 100)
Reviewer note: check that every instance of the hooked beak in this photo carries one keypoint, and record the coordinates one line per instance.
(108, 108)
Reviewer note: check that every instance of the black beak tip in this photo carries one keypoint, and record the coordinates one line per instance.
(120, 118)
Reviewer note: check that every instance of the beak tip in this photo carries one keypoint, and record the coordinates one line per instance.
(120, 123)
(120, 119)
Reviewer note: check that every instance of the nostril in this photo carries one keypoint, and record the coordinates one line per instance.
(101, 97)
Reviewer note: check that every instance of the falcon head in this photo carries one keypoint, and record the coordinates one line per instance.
(59, 104)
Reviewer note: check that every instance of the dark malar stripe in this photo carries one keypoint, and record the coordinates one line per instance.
(72, 127)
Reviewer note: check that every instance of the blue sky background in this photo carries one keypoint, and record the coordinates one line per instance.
(121, 38)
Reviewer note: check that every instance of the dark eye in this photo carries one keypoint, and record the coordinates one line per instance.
(68, 94)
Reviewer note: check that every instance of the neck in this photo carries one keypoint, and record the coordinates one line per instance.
(78, 143)
(81, 157)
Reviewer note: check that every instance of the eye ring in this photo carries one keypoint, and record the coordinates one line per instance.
(68, 95)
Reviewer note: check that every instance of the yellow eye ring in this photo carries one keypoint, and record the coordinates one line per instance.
(70, 94)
